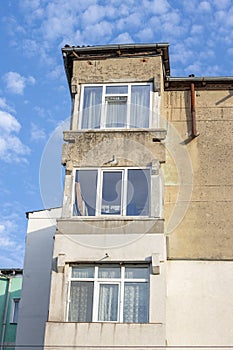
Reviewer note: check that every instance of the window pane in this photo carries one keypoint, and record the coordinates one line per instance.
(136, 302)
(116, 90)
(92, 104)
(108, 302)
(140, 106)
(81, 301)
(85, 192)
(83, 272)
(111, 193)
(109, 272)
(136, 272)
(15, 310)
(116, 112)
(138, 192)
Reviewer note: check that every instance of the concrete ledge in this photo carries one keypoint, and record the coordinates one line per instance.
(104, 334)
(110, 225)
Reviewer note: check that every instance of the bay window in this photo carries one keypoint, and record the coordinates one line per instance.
(106, 191)
(115, 106)
(109, 293)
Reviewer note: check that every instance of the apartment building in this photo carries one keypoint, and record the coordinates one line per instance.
(142, 251)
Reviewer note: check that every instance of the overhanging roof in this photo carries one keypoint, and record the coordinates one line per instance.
(71, 53)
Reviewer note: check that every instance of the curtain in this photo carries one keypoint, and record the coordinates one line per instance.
(136, 302)
(92, 105)
(81, 301)
(85, 192)
(116, 113)
(140, 106)
(108, 302)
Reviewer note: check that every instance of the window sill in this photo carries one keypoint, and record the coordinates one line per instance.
(112, 218)
(157, 133)
(107, 225)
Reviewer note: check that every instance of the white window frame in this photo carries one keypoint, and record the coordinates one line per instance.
(104, 103)
(116, 281)
(124, 188)
(14, 302)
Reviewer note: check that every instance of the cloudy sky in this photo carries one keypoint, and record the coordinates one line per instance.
(34, 97)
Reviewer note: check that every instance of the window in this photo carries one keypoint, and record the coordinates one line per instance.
(15, 310)
(112, 192)
(109, 293)
(115, 106)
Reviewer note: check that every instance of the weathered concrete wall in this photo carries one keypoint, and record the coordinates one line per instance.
(205, 231)
(114, 70)
(199, 303)
(96, 148)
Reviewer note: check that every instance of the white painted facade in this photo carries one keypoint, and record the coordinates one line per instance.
(34, 303)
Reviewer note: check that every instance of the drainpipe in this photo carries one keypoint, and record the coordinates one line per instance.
(193, 111)
(5, 313)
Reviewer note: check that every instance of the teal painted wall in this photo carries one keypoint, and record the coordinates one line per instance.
(11, 284)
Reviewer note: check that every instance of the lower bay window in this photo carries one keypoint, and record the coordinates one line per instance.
(112, 192)
(109, 293)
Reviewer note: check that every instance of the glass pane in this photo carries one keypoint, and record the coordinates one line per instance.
(85, 192)
(15, 311)
(92, 104)
(111, 193)
(108, 302)
(138, 190)
(109, 272)
(136, 302)
(83, 272)
(116, 90)
(116, 112)
(81, 301)
(136, 272)
(140, 106)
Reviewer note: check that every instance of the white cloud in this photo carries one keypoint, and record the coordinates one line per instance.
(11, 247)
(205, 6)
(196, 29)
(11, 147)
(123, 38)
(8, 123)
(16, 83)
(4, 105)
(37, 133)
(158, 7)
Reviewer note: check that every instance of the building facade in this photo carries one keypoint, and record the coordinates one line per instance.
(142, 252)
(10, 293)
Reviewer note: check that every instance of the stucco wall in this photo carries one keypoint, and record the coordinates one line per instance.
(200, 303)
(205, 231)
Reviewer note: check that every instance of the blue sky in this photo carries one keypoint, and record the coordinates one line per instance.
(34, 97)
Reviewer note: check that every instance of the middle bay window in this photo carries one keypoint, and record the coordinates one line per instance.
(112, 192)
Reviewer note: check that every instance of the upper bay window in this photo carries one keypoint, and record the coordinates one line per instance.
(112, 192)
(115, 106)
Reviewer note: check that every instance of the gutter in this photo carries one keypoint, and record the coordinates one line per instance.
(193, 111)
